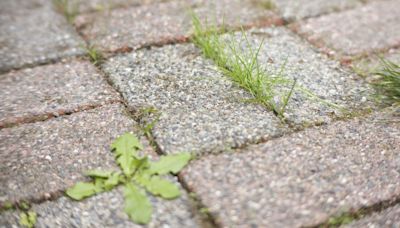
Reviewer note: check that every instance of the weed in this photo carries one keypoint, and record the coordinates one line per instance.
(272, 89)
(69, 8)
(28, 219)
(243, 68)
(138, 173)
(388, 85)
(267, 4)
(95, 56)
(340, 220)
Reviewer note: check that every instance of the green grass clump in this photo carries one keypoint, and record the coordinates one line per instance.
(267, 88)
(388, 85)
(94, 54)
(69, 8)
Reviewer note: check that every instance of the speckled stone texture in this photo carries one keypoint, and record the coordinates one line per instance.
(200, 110)
(85, 6)
(32, 33)
(373, 27)
(40, 159)
(295, 10)
(52, 90)
(389, 218)
(313, 71)
(303, 178)
(106, 210)
(131, 28)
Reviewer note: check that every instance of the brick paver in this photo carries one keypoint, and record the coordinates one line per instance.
(302, 178)
(200, 110)
(42, 158)
(106, 210)
(52, 90)
(32, 32)
(295, 10)
(85, 6)
(131, 28)
(361, 30)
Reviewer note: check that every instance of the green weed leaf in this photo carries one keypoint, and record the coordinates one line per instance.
(28, 219)
(170, 163)
(82, 190)
(126, 147)
(159, 187)
(137, 205)
(112, 181)
(98, 173)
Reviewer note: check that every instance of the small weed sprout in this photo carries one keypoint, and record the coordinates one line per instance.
(28, 219)
(94, 54)
(137, 174)
(388, 85)
(69, 8)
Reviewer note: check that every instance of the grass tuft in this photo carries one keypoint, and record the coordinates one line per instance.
(69, 8)
(243, 68)
(388, 85)
(94, 54)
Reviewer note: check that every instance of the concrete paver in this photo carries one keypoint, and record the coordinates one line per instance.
(303, 178)
(24, 43)
(52, 90)
(372, 27)
(135, 27)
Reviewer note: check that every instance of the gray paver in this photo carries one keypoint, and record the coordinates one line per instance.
(135, 27)
(33, 33)
(42, 158)
(106, 210)
(389, 218)
(302, 178)
(295, 10)
(52, 90)
(372, 27)
(200, 110)
(313, 71)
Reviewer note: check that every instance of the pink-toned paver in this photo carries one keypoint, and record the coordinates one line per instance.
(52, 90)
(373, 27)
(155, 24)
(304, 178)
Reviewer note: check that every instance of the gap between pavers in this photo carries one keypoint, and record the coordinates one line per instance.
(41, 160)
(121, 30)
(52, 90)
(32, 33)
(304, 178)
(371, 28)
(386, 218)
(201, 111)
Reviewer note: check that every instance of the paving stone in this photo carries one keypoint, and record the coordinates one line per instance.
(106, 210)
(42, 158)
(52, 90)
(200, 110)
(33, 33)
(295, 10)
(304, 178)
(124, 29)
(387, 218)
(313, 71)
(372, 27)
